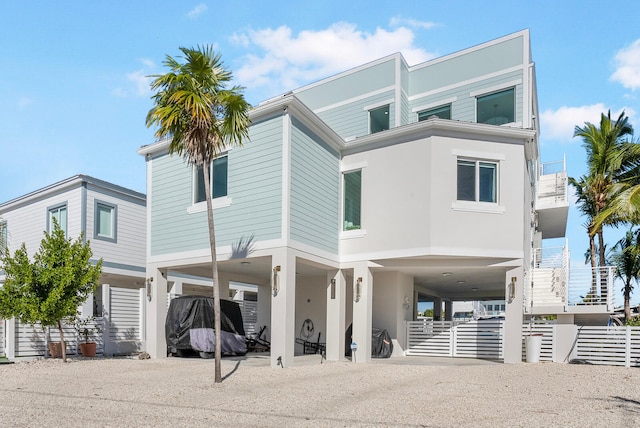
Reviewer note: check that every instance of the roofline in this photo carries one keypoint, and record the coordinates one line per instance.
(288, 103)
(76, 180)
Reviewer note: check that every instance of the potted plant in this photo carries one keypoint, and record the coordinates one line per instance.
(87, 328)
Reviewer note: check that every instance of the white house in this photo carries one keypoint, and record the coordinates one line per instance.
(113, 219)
(366, 192)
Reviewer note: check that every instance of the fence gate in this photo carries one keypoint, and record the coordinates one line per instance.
(124, 320)
(473, 339)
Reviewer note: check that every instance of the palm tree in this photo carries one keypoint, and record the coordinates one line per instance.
(626, 258)
(202, 117)
(609, 159)
(586, 204)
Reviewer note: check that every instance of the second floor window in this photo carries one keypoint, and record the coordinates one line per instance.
(59, 213)
(443, 112)
(352, 200)
(3, 235)
(219, 178)
(105, 221)
(477, 181)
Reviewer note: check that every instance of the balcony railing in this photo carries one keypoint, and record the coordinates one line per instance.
(588, 287)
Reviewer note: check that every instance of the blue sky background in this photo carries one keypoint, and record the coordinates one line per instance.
(74, 92)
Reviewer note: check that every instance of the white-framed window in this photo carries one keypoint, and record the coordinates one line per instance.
(442, 112)
(3, 235)
(59, 213)
(477, 180)
(379, 119)
(496, 108)
(105, 222)
(219, 173)
(352, 200)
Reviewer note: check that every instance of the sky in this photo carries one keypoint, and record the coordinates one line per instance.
(74, 80)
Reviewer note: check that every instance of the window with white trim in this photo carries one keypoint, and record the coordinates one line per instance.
(352, 194)
(497, 108)
(442, 112)
(379, 119)
(219, 180)
(3, 235)
(105, 221)
(477, 180)
(59, 213)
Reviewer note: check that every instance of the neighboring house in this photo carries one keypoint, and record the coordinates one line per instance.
(364, 193)
(113, 219)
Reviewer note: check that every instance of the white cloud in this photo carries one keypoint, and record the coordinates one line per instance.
(197, 11)
(283, 60)
(628, 66)
(141, 82)
(398, 21)
(560, 124)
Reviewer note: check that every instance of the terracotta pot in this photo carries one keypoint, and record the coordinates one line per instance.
(88, 349)
(55, 349)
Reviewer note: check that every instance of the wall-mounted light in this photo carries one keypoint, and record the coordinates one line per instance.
(511, 289)
(148, 283)
(276, 280)
(405, 303)
(358, 291)
(333, 289)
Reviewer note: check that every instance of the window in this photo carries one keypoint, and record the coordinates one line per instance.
(497, 108)
(105, 221)
(477, 181)
(443, 112)
(352, 197)
(59, 213)
(3, 235)
(379, 119)
(219, 178)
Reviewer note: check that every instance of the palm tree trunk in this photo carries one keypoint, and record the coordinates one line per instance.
(62, 342)
(214, 266)
(603, 263)
(594, 276)
(627, 298)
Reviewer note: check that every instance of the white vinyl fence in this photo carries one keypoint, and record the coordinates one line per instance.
(473, 339)
(548, 332)
(31, 340)
(618, 346)
(124, 316)
(1, 338)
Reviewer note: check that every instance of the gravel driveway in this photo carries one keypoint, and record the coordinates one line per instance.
(405, 392)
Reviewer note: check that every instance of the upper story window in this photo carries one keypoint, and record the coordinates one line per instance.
(443, 112)
(59, 213)
(477, 181)
(379, 119)
(352, 200)
(3, 235)
(219, 178)
(497, 108)
(105, 221)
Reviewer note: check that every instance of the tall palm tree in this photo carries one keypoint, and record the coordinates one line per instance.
(626, 258)
(202, 117)
(609, 158)
(586, 205)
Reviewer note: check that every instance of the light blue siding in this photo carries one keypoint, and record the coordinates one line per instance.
(352, 120)
(255, 187)
(349, 85)
(489, 59)
(463, 108)
(315, 190)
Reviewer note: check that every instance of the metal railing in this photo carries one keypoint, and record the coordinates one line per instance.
(590, 287)
(553, 167)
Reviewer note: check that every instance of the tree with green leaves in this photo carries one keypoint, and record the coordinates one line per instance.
(202, 117)
(50, 288)
(610, 159)
(626, 258)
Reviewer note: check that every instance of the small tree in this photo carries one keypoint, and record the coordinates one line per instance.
(50, 288)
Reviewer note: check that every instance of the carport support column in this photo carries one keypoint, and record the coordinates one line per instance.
(283, 307)
(336, 313)
(362, 311)
(512, 341)
(156, 297)
(448, 310)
